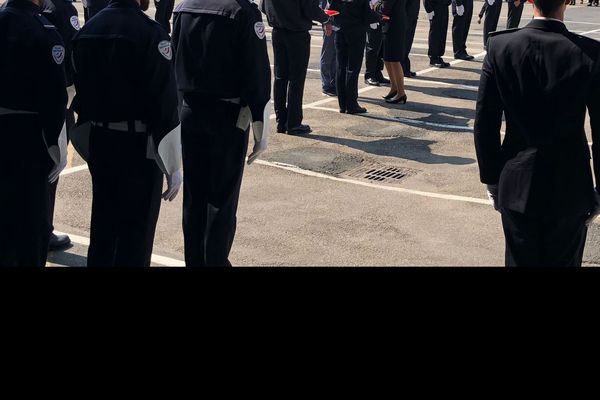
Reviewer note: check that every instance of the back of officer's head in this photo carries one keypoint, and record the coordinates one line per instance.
(550, 8)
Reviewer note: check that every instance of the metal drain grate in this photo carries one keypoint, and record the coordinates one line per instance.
(379, 173)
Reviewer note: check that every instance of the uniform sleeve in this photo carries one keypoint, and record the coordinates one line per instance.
(488, 120)
(162, 113)
(254, 61)
(428, 5)
(593, 104)
(52, 87)
(312, 11)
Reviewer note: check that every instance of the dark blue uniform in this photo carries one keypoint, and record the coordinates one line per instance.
(224, 79)
(126, 96)
(461, 25)
(164, 12)
(438, 30)
(32, 111)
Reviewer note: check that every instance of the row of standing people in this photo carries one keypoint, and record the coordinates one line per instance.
(164, 10)
(136, 123)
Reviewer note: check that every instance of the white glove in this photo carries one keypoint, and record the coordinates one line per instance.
(374, 26)
(596, 211)
(58, 154)
(174, 182)
(492, 192)
(460, 10)
(491, 2)
(430, 15)
(261, 131)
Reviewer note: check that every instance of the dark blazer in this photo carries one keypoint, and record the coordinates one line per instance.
(354, 14)
(543, 78)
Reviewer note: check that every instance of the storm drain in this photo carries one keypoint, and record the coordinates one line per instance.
(379, 173)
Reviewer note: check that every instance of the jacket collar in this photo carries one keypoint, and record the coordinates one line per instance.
(549, 25)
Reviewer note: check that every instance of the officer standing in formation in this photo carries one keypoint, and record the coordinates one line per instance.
(291, 21)
(128, 129)
(437, 13)
(328, 61)
(412, 17)
(65, 17)
(492, 16)
(164, 12)
(224, 80)
(33, 103)
(374, 55)
(462, 11)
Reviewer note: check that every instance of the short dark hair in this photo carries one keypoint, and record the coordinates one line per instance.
(548, 7)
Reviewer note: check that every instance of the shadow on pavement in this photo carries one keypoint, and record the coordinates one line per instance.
(66, 258)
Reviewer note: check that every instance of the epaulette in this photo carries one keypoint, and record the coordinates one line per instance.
(44, 21)
(496, 33)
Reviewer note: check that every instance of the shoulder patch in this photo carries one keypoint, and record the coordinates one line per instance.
(259, 29)
(58, 54)
(75, 22)
(165, 49)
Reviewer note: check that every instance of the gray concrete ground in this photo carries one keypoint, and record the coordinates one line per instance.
(312, 200)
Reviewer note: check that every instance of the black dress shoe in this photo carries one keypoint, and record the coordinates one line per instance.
(58, 242)
(410, 74)
(356, 110)
(372, 82)
(342, 111)
(383, 81)
(299, 130)
(281, 129)
(464, 56)
(330, 93)
(397, 100)
(438, 62)
(390, 96)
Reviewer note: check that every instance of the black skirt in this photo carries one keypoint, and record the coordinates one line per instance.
(394, 40)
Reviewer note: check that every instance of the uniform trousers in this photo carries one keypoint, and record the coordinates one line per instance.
(24, 169)
(492, 16)
(127, 188)
(438, 31)
(328, 64)
(291, 51)
(461, 26)
(374, 54)
(514, 14)
(412, 17)
(350, 47)
(214, 153)
(164, 12)
(536, 241)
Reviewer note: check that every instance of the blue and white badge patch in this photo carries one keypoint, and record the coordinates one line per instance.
(58, 54)
(75, 23)
(165, 49)
(259, 28)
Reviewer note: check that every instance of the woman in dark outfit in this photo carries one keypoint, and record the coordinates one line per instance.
(350, 39)
(393, 48)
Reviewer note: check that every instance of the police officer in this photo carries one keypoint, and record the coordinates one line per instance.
(462, 11)
(515, 11)
(374, 55)
(65, 17)
(127, 97)
(328, 62)
(164, 11)
(412, 17)
(224, 79)
(492, 16)
(437, 13)
(291, 21)
(32, 112)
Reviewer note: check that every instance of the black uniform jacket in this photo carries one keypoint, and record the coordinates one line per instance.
(221, 52)
(354, 14)
(123, 70)
(543, 78)
(293, 15)
(64, 16)
(32, 76)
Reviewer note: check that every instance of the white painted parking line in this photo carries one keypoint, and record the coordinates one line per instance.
(156, 259)
(301, 171)
(69, 171)
(402, 119)
(588, 32)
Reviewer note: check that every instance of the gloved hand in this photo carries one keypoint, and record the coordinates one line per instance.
(460, 10)
(430, 15)
(261, 131)
(491, 2)
(174, 182)
(492, 192)
(58, 154)
(596, 211)
(374, 26)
